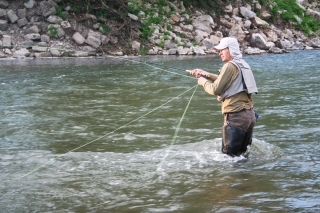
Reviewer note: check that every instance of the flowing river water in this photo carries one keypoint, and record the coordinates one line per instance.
(138, 135)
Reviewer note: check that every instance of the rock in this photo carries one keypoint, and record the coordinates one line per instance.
(136, 46)
(133, 17)
(187, 27)
(315, 43)
(77, 37)
(39, 49)
(272, 35)
(27, 44)
(3, 14)
(93, 41)
(65, 24)
(3, 25)
(175, 18)
(236, 31)
(183, 51)
(153, 51)
(32, 36)
(226, 23)
(265, 15)
(203, 23)
(2, 54)
(286, 44)
(42, 44)
(53, 19)
(314, 13)
(113, 40)
(22, 22)
(245, 12)
(12, 16)
(48, 8)
(208, 43)
(55, 52)
(141, 14)
(297, 46)
(169, 44)
(7, 51)
(228, 8)
(259, 22)
(257, 40)
(78, 54)
(198, 51)
(42, 54)
(60, 32)
(6, 41)
(45, 38)
(33, 29)
(257, 6)
(252, 51)
(119, 53)
(4, 4)
(23, 52)
(22, 13)
(29, 4)
(170, 52)
(275, 50)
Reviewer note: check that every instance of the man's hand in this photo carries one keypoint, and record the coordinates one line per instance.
(198, 73)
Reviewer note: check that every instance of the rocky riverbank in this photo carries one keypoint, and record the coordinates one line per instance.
(33, 29)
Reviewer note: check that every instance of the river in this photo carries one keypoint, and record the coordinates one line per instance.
(136, 134)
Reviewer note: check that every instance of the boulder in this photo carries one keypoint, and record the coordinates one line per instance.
(285, 44)
(32, 36)
(21, 53)
(246, 13)
(22, 22)
(30, 4)
(4, 4)
(93, 41)
(6, 41)
(203, 23)
(257, 40)
(3, 25)
(197, 50)
(77, 37)
(208, 43)
(39, 49)
(53, 19)
(12, 16)
(55, 52)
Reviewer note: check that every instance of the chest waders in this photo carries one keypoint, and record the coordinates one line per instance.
(235, 140)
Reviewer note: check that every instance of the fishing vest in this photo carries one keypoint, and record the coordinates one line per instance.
(244, 82)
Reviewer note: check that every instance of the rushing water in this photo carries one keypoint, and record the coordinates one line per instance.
(109, 135)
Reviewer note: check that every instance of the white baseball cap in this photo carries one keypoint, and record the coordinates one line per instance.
(227, 42)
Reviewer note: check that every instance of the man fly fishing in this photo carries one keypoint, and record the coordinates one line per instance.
(233, 88)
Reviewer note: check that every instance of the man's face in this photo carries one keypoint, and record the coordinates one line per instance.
(225, 55)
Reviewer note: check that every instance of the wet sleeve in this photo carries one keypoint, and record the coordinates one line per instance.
(228, 74)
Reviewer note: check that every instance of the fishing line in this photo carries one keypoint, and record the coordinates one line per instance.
(150, 65)
(43, 165)
(177, 130)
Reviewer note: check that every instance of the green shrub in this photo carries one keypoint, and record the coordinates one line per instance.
(146, 29)
(105, 29)
(53, 31)
(61, 13)
(289, 9)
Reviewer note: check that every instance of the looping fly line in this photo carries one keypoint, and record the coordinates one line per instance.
(172, 141)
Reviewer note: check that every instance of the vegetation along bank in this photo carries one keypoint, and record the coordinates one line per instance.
(74, 28)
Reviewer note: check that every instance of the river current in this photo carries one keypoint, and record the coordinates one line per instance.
(136, 134)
